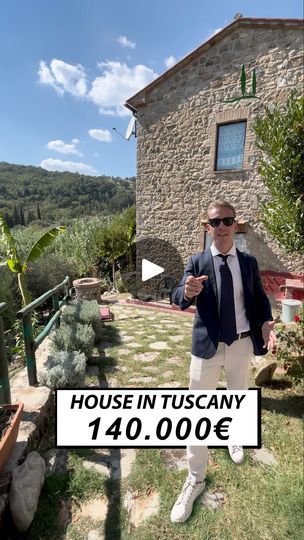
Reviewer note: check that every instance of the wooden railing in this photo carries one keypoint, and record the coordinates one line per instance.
(25, 314)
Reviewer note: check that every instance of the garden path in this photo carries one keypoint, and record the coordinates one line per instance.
(146, 348)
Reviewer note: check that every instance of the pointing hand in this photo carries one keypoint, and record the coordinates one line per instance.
(193, 286)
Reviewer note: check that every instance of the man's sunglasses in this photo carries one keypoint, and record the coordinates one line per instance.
(215, 222)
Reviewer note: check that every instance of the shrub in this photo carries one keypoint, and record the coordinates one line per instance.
(9, 294)
(82, 243)
(64, 369)
(120, 286)
(49, 271)
(69, 314)
(279, 136)
(17, 345)
(74, 337)
(82, 311)
(105, 284)
(291, 347)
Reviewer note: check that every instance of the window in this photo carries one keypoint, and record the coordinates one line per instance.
(230, 146)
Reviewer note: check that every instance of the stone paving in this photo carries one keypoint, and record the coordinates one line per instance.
(146, 357)
(177, 339)
(175, 360)
(118, 466)
(159, 345)
(141, 507)
(133, 345)
(95, 509)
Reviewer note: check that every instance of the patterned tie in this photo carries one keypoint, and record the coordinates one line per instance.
(227, 308)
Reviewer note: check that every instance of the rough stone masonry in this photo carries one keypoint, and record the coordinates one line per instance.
(177, 124)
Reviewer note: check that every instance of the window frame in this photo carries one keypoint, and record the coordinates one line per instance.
(218, 125)
(228, 116)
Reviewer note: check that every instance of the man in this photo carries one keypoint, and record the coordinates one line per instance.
(233, 320)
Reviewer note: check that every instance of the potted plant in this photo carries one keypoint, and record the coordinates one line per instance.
(10, 416)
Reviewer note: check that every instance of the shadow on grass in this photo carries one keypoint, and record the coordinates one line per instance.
(54, 514)
(287, 405)
(112, 525)
(280, 384)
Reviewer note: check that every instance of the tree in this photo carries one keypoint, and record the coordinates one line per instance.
(30, 216)
(16, 218)
(279, 136)
(117, 238)
(129, 217)
(61, 196)
(11, 258)
(22, 220)
(8, 219)
(113, 243)
(81, 243)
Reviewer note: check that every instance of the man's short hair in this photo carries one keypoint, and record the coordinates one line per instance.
(221, 204)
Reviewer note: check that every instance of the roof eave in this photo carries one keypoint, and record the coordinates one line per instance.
(139, 99)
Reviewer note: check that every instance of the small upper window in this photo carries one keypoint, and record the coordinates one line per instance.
(230, 146)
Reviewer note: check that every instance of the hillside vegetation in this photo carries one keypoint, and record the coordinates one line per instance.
(28, 194)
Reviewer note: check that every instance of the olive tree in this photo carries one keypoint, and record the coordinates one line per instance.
(280, 136)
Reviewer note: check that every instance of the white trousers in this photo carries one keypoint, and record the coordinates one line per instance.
(204, 375)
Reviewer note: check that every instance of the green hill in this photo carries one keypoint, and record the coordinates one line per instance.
(31, 193)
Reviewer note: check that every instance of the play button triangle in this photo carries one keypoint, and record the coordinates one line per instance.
(150, 270)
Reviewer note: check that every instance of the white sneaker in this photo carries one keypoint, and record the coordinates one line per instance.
(183, 506)
(236, 453)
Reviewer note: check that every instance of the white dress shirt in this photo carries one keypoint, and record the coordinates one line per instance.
(242, 323)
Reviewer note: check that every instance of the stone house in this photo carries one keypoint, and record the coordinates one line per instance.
(194, 145)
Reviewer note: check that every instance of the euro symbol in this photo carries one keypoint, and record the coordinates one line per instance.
(220, 428)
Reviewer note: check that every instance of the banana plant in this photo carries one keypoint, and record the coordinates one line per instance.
(14, 262)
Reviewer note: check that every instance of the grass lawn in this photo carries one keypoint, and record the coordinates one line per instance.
(260, 502)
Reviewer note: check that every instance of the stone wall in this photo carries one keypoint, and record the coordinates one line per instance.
(176, 180)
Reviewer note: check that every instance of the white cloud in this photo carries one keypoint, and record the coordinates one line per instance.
(64, 77)
(109, 91)
(102, 135)
(63, 148)
(71, 166)
(125, 42)
(46, 77)
(116, 111)
(117, 83)
(170, 61)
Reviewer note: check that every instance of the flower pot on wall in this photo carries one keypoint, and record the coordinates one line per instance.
(8, 440)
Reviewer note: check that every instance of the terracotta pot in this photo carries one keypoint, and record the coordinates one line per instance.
(8, 441)
(87, 288)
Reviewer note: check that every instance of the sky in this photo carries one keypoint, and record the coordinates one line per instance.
(68, 66)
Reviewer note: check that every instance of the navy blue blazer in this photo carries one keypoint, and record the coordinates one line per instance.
(205, 337)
